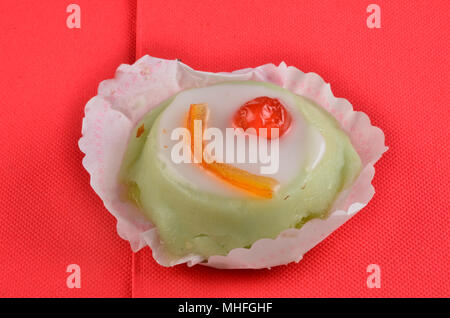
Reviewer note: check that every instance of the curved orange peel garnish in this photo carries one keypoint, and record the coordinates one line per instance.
(258, 185)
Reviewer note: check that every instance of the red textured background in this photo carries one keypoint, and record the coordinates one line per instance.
(399, 75)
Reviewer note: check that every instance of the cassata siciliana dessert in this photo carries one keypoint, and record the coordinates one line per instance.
(222, 166)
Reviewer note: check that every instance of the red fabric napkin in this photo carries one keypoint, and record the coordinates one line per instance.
(398, 75)
(50, 217)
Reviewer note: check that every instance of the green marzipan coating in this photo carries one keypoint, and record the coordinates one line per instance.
(193, 221)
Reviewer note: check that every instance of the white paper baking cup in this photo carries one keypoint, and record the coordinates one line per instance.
(121, 102)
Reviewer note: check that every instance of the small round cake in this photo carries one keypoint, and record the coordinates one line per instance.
(220, 167)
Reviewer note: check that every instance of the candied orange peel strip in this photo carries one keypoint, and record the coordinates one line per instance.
(259, 185)
(199, 113)
(140, 131)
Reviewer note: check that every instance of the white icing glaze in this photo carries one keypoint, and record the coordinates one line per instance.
(302, 146)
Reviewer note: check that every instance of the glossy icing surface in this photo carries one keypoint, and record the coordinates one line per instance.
(301, 147)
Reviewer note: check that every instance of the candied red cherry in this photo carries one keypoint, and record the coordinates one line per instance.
(263, 112)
